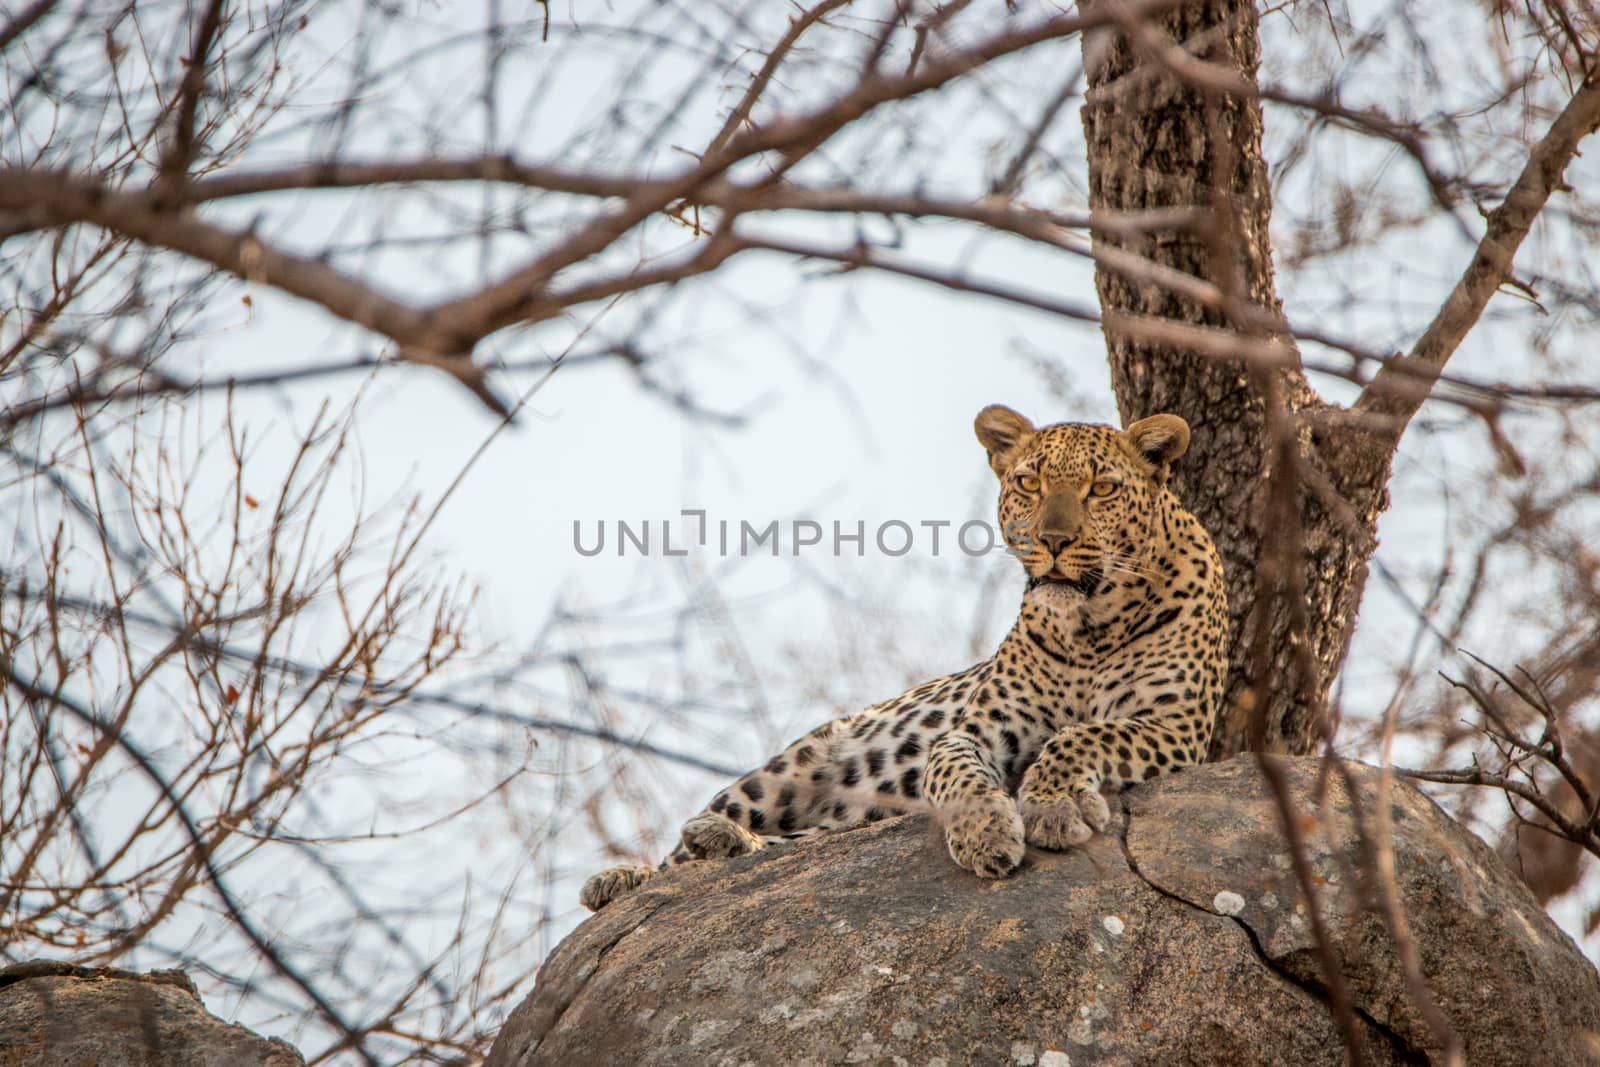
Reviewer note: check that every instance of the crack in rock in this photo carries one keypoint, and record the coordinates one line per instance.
(1404, 1050)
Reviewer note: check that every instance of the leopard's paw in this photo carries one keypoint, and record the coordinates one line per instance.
(608, 885)
(710, 836)
(1059, 823)
(984, 835)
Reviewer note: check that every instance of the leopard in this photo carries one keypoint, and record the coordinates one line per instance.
(1111, 675)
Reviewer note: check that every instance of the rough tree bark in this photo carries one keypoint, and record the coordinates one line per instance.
(1156, 142)
(1165, 132)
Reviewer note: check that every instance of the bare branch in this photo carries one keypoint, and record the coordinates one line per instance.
(23, 20)
(1399, 395)
(202, 852)
(798, 25)
(184, 143)
(521, 294)
(60, 198)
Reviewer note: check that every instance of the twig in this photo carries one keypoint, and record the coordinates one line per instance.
(181, 149)
(1398, 394)
(202, 854)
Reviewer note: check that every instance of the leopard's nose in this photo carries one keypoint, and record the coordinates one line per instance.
(1055, 542)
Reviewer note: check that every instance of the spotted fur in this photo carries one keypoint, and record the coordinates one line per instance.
(1111, 675)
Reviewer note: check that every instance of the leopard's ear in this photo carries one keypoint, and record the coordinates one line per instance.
(1002, 431)
(1160, 439)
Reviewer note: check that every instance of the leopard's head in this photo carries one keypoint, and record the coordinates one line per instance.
(1078, 501)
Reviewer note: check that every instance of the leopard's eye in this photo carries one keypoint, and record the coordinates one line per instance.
(1103, 488)
(1028, 482)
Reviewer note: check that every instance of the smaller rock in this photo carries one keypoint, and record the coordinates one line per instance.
(55, 1014)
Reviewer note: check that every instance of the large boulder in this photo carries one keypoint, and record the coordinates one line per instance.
(59, 1015)
(1176, 938)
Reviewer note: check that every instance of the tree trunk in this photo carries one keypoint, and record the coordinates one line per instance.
(1156, 142)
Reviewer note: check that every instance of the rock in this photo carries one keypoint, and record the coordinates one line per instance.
(60, 1015)
(1176, 938)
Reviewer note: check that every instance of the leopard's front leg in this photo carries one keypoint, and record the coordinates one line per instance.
(708, 836)
(601, 889)
(982, 827)
(713, 836)
(1061, 802)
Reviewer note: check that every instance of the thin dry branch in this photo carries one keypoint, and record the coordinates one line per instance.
(1340, 1004)
(23, 20)
(1213, 77)
(522, 295)
(1522, 758)
(798, 25)
(202, 853)
(62, 199)
(1206, 341)
(181, 149)
(356, 174)
(445, 334)
(1399, 393)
